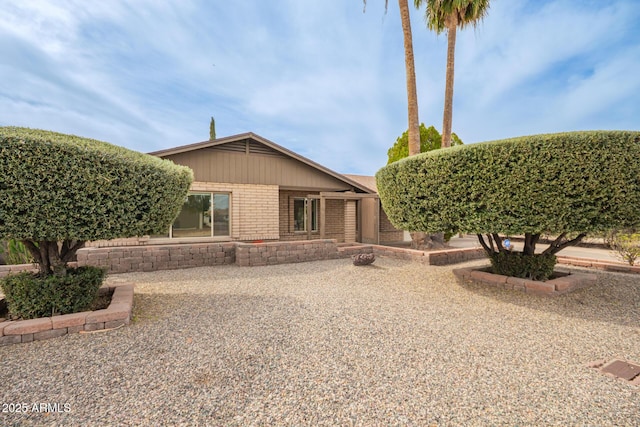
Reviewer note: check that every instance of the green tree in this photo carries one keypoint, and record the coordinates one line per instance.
(212, 129)
(430, 139)
(58, 191)
(449, 15)
(565, 184)
(413, 139)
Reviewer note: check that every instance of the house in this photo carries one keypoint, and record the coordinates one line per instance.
(247, 188)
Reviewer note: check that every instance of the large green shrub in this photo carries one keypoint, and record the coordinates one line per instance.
(60, 190)
(30, 296)
(562, 183)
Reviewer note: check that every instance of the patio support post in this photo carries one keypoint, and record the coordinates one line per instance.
(359, 220)
(322, 216)
(377, 220)
(309, 206)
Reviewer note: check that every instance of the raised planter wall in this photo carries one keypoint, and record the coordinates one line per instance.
(441, 257)
(598, 264)
(160, 257)
(117, 314)
(553, 287)
(165, 257)
(254, 254)
(5, 270)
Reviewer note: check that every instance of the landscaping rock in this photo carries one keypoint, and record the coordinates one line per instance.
(363, 259)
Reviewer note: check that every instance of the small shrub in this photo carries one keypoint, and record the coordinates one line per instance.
(30, 296)
(516, 264)
(627, 246)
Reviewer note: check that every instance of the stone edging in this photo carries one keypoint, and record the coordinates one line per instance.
(117, 314)
(439, 257)
(559, 286)
(598, 264)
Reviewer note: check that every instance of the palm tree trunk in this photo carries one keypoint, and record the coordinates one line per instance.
(448, 92)
(412, 93)
(418, 239)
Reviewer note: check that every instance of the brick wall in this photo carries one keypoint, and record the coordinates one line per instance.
(132, 241)
(254, 209)
(350, 221)
(165, 257)
(158, 257)
(442, 257)
(388, 233)
(5, 270)
(285, 252)
(334, 213)
(254, 214)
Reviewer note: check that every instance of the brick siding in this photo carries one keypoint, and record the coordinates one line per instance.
(350, 221)
(254, 214)
(388, 233)
(334, 218)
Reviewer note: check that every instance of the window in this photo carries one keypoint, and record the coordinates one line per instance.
(203, 215)
(221, 215)
(300, 214)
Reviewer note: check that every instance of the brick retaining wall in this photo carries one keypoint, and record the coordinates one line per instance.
(553, 287)
(158, 257)
(164, 257)
(5, 270)
(441, 257)
(253, 254)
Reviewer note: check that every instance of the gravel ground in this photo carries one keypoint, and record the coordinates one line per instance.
(327, 343)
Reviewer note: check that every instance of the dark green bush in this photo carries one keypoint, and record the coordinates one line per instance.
(30, 296)
(563, 183)
(58, 186)
(516, 264)
(578, 181)
(59, 191)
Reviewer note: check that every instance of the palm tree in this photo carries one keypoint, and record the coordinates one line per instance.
(448, 15)
(412, 92)
(420, 240)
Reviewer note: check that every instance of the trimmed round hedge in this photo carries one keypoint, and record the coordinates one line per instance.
(555, 183)
(56, 187)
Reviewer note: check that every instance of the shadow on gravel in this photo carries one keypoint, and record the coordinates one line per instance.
(613, 299)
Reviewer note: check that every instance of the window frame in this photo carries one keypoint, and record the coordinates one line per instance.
(211, 211)
(315, 204)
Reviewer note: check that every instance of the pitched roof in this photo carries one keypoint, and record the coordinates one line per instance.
(365, 180)
(270, 144)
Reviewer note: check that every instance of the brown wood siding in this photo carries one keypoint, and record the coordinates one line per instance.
(266, 168)
(368, 228)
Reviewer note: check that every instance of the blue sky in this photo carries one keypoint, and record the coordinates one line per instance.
(322, 79)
